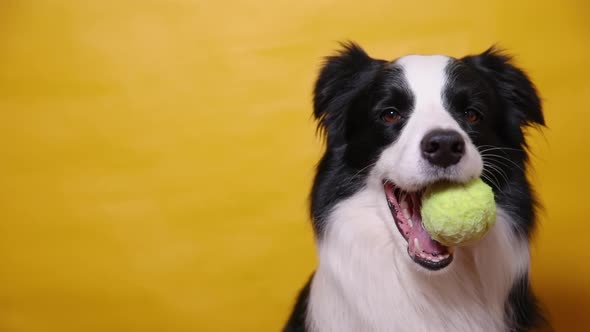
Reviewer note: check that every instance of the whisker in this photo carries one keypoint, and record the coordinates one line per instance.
(499, 147)
(352, 178)
(500, 162)
(504, 158)
(485, 176)
(498, 170)
(488, 148)
(491, 174)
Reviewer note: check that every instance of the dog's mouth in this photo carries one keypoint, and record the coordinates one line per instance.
(422, 249)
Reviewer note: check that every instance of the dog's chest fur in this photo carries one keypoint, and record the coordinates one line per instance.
(365, 283)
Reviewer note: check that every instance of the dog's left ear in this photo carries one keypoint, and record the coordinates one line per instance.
(517, 93)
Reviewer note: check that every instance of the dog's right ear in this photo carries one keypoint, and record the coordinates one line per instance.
(342, 79)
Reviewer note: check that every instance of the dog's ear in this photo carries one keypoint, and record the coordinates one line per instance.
(343, 77)
(517, 93)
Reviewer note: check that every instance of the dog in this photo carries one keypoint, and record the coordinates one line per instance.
(391, 129)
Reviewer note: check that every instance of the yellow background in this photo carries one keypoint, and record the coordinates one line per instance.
(155, 156)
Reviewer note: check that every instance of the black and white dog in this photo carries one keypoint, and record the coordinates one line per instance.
(392, 128)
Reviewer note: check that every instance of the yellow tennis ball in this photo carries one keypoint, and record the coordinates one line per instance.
(457, 214)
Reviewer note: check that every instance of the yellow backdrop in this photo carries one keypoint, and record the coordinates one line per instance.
(155, 156)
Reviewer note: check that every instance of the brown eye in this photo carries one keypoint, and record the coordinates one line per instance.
(391, 115)
(471, 116)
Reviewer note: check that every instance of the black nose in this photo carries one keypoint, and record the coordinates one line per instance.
(443, 147)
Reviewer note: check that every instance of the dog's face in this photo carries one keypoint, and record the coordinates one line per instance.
(414, 121)
(428, 138)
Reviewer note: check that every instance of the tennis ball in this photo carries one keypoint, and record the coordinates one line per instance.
(458, 214)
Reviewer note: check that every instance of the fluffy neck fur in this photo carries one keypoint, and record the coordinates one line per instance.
(365, 280)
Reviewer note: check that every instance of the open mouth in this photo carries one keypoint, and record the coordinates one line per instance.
(405, 209)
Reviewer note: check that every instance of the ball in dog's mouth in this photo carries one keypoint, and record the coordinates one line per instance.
(405, 210)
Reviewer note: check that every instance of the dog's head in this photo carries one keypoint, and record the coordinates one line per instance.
(417, 120)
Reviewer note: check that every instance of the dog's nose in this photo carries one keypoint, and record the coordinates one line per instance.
(443, 147)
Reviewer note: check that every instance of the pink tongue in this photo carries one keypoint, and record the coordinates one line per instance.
(419, 234)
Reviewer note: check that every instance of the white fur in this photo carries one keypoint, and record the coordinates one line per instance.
(366, 281)
(402, 162)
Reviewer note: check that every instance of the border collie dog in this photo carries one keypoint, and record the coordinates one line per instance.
(392, 128)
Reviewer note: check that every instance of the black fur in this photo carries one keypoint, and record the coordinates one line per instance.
(516, 105)
(350, 94)
(296, 322)
(522, 308)
(510, 102)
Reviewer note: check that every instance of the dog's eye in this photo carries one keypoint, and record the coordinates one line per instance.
(391, 115)
(471, 115)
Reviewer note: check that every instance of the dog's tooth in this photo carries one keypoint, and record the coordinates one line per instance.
(406, 213)
(403, 204)
(417, 244)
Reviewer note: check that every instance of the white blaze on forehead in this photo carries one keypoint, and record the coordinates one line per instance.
(426, 77)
